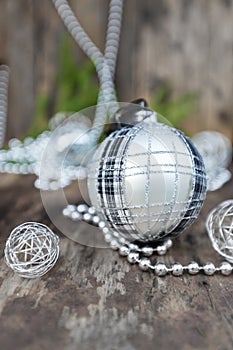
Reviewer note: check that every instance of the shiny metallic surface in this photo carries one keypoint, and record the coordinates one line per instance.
(147, 182)
(114, 244)
(225, 268)
(177, 269)
(147, 251)
(133, 257)
(123, 250)
(133, 113)
(219, 225)
(161, 250)
(193, 268)
(209, 268)
(160, 269)
(31, 250)
(144, 264)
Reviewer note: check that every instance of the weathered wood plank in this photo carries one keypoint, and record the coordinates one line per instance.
(3, 37)
(93, 299)
(20, 58)
(186, 43)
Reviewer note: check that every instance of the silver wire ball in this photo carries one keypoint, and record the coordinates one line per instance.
(31, 250)
(219, 226)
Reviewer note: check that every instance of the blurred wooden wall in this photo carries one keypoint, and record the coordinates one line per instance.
(188, 43)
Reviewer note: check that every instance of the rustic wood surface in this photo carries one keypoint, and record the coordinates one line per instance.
(93, 299)
(187, 43)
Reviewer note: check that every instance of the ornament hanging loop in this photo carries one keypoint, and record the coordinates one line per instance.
(133, 113)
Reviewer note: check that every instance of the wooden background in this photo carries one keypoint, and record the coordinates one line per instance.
(186, 42)
(93, 299)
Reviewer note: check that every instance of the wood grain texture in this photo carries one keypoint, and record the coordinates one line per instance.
(187, 43)
(19, 57)
(93, 299)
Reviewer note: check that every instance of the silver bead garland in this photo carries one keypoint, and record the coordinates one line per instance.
(140, 255)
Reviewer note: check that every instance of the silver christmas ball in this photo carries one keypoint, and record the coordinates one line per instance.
(147, 181)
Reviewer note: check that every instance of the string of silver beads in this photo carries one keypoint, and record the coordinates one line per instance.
(140, 255)
(88, 214)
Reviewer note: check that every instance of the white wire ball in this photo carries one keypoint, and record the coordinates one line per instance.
(31, 250)
(147, 181)
(219, 226)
